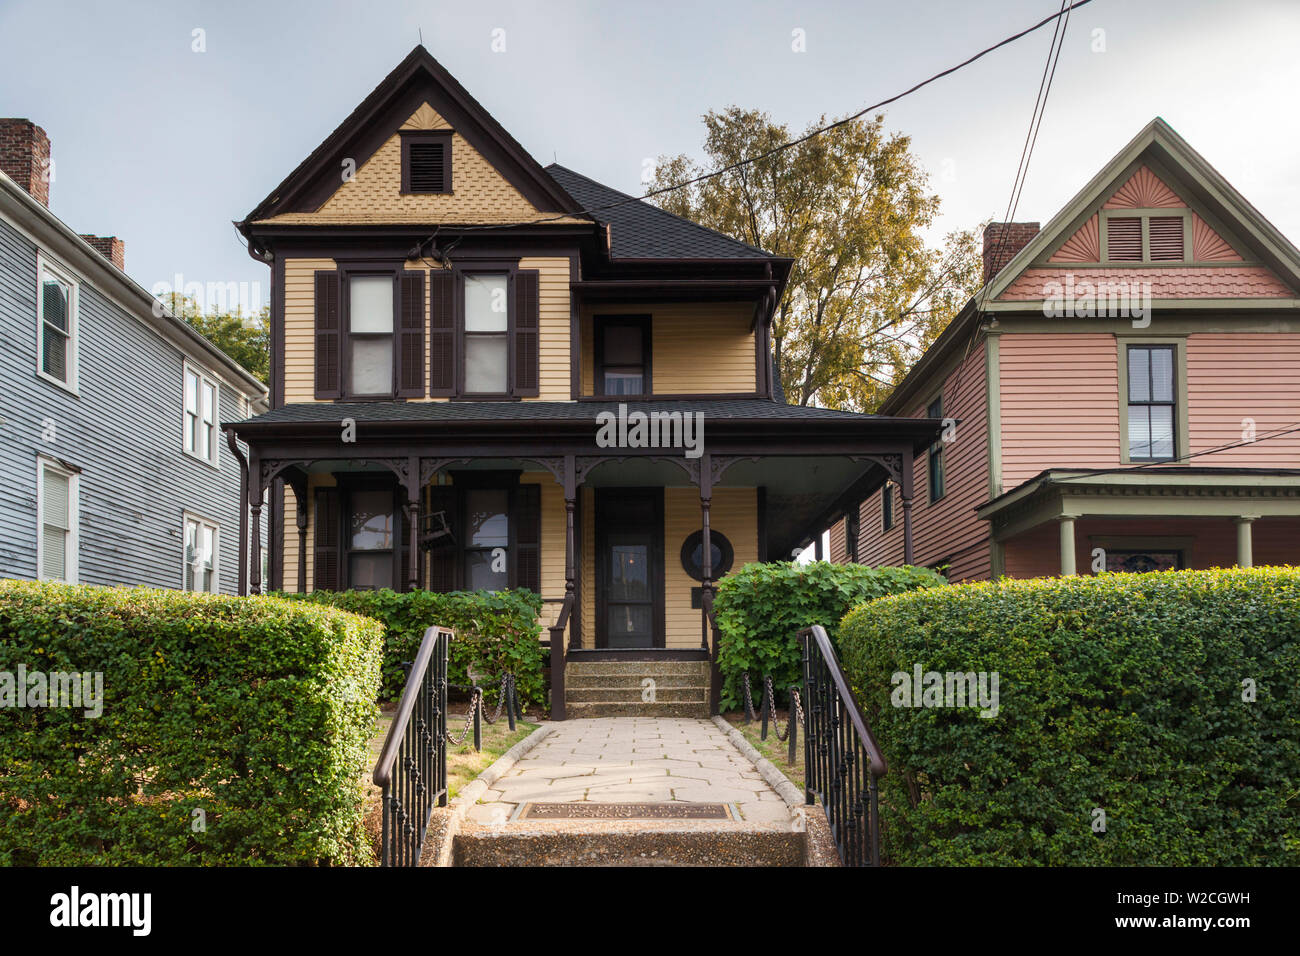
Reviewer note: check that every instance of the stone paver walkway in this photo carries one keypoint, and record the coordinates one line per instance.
(634, 760)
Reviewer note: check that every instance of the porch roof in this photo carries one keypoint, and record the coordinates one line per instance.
(1170, 491)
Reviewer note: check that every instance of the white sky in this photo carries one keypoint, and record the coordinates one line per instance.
(164, 147)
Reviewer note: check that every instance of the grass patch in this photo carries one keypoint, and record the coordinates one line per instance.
(773, 749)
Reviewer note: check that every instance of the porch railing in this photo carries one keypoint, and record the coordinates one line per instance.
(842, 763)
(412, 767)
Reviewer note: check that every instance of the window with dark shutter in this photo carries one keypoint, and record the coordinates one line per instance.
(327, 335)
(1165, 237)
(1124, 239)
(527, 328)
(442, 333)
(410, 339)
(528, 537)
(325, 553)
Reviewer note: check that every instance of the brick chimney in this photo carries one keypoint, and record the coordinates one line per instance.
(25, 157)
(111, 248)
(1002, 240)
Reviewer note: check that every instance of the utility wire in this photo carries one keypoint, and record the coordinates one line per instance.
(812, 134)
(1290, 430)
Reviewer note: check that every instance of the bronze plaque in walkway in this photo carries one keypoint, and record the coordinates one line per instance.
(624, 811)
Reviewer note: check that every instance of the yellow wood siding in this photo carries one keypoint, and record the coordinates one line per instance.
(300, 323)
(734, 513)
(695, 347)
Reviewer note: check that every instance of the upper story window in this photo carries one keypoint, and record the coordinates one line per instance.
(1151, 403)
(201, 415)
(56, 323)
(56, 540)
(1146, 237)
(200, 554)
(370, 335)
(622, 345)
(426, 161)
(487, 333)
(935, 469)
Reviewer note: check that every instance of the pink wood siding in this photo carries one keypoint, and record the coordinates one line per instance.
(948, 529)
(1234, 376)
(838, 552)
(1060, 403)
(1036, 553)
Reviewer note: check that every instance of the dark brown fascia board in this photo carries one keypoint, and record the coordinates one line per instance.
(378, 110)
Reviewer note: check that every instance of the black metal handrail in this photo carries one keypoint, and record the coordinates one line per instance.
(412, 766)
(842, 762)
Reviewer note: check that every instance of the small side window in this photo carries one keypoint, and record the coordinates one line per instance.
(56, 325)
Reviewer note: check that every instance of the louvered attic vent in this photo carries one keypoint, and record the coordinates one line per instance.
(1165, 236)
(1124, 239)
(428, 168)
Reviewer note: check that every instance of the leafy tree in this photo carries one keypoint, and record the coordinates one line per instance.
(245, 338)
(866, 295)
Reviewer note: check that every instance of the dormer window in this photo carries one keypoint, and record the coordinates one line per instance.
(1145, 236)
(426, 162)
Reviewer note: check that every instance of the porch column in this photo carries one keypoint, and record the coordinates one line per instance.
(706, 583)
(905, 494)
(413, 523)
(255, 501)
(243, 511)
(1245, 556)
(571, 543)
(1067, 544)
(299, 487)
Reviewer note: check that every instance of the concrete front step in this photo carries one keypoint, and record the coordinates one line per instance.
(633, 695)
(575, 709)
(637, 668)
(629, 843)
(635, 680)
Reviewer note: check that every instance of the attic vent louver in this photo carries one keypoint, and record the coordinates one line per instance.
(428, 169)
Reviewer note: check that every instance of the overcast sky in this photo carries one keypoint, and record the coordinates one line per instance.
(164, 147)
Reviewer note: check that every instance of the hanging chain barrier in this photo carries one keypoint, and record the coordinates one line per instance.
(794, 719)
(507, 701)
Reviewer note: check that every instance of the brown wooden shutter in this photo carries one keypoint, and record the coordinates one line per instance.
(327, 335)
(442, 333)
(442, 557)
(410, 337)
(1124, 239)
(528, 537)
(325, 576)
(1165, 236)
(527, 321)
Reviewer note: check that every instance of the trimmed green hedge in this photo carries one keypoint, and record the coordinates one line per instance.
(495, 631)
(761, 607)
(233, 730)
(1120, 693)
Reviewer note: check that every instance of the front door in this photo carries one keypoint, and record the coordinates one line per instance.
(629, 567)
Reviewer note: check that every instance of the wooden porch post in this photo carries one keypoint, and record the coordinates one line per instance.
(570, 541)
(233, 444)
(905, 492)
(413, 523)
(299, 486)
(706, 584)
(255, 500)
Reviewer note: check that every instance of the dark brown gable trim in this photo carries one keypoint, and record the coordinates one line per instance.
(328, 344)
(410, 336)
(442, 333)
(527, 330)
(441, 138)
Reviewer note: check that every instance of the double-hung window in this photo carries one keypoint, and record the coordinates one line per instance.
(487, 333)
(56, 323)
(935, 469)
(372, 536)
(370, 335)
(201, 415)
(56, 542)
(487, 539)
(1151, 403)
(200, 554)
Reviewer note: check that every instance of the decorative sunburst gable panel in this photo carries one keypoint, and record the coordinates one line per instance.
(1083, 246)
(1208, 245)
(1144, 190)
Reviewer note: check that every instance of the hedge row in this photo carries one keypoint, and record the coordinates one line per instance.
(232, 731)
(495, 631)
(761, 607)
(1148, 719)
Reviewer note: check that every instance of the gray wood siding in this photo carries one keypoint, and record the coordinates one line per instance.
(124, 431)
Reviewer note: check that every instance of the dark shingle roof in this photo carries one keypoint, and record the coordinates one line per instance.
(748, 409)
(639, 230)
